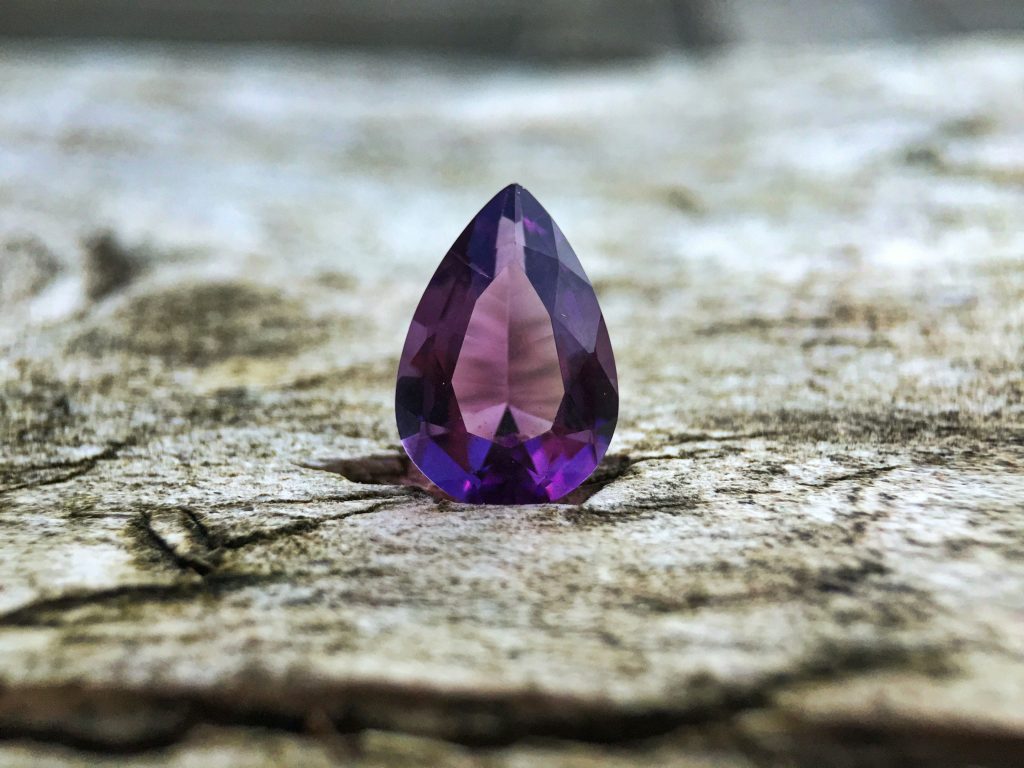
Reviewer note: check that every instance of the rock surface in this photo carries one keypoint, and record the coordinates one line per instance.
(806, 546)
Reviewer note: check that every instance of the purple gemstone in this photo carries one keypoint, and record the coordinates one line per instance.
(507, 392)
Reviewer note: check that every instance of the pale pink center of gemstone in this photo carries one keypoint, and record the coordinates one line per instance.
(509, 362)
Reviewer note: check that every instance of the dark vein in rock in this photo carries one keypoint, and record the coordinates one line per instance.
(207, 546)
(701, 437)
(304, 525)
(861, 474)
(375, 495)
(479, 718)
(75, 468)
(47, 611)
(202, 562)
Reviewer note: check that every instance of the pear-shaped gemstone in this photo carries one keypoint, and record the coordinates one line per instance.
(507, 392)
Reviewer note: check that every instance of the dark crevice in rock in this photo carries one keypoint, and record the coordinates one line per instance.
(704, 437)
(899, 427)
(16, 478)
(83, 741)
(374, 495)
(52, 611)
(180, 535)
(208, 540)
(480, 719)
(54, 479)
(303, 525)
(861, 474)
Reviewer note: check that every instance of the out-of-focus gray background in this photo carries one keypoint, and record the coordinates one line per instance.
(554, 29)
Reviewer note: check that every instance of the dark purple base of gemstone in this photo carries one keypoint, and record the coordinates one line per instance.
(540, 470)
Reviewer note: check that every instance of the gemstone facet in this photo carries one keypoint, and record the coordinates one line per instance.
(507, 392)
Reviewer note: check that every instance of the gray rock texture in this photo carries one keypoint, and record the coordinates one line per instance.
(805, 548)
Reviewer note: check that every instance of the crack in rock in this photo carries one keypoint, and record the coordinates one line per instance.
(180, 534)
(54, 611)
(477, 718)
(303, 525)
(58, 471)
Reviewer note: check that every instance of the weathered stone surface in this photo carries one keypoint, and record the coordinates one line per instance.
(804, 548)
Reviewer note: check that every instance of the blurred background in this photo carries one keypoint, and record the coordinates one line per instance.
(556, 29)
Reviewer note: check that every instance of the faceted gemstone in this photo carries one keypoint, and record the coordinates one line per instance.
(507, 392)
